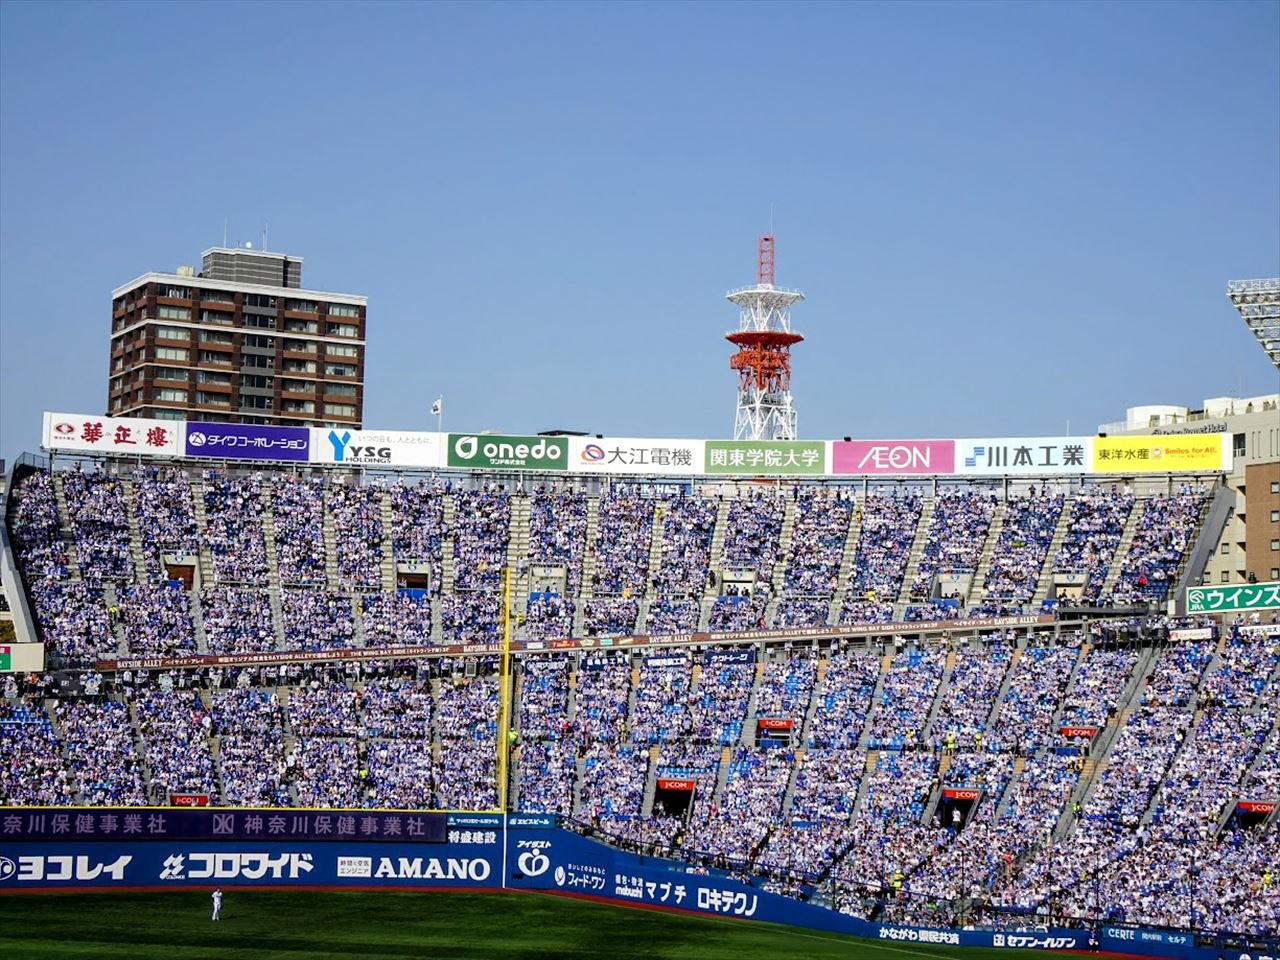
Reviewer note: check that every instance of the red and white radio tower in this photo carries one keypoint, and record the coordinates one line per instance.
(763, 361)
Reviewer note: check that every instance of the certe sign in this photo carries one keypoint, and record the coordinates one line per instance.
(493, 452)
(1244, 596)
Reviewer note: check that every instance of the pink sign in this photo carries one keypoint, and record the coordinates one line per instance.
(894, 457)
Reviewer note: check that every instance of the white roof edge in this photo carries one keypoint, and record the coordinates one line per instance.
(252, 252)
(239, 287)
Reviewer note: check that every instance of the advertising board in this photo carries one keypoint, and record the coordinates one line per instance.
(494, 452)
(635, 456)
(127, 436)
(1197, 453)
(376, 448)
(248, 441)
(1022, 456)
(757, 458)
(893, 458)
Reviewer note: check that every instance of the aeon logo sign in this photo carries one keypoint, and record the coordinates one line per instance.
(894, 457)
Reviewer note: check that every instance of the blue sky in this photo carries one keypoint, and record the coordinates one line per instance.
(1004, 216)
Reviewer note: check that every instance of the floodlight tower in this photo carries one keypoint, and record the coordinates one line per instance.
(1259, 304)
(764, 339)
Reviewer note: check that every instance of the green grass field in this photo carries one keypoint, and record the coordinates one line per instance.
(441, 926)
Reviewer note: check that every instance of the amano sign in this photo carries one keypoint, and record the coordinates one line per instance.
(493, 452)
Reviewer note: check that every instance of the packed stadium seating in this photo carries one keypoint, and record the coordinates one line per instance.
(925, 779)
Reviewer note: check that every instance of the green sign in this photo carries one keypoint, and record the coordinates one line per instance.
(489, 452)
(757, 457)
(1244, 596)
(6, 659)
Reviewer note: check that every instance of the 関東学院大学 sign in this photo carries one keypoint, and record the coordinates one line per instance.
(1244, 596)
(493, 452)
(757, 457)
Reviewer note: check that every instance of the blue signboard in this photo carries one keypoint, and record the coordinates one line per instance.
(248, 441)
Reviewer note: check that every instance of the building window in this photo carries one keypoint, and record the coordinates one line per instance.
(299, 386)
(172, 396)
(339, 370)
(173, 313)
(259, 300)
(339, 350)
(300, 346)
(174, 293)
(339, 410)
(172, 353)
(343, 310)
(303, 306)
(216, 316)
(258, 340)
(301, 326)
(214, 399)
(299, 406)
(172, 333)
(215, 336)
(217, 296)
(256, 403)
(1275, 573)
(1275, 516)
(299, 366)
(341, 389)
(261, 383)
(167, 414)
(260, 321)
(1275, 544)
(215, 358)
(221, 379)
(1226, 549)
(1226, 577)
(343, 330)
(1275, 486)
(257, 360)
(170, 373)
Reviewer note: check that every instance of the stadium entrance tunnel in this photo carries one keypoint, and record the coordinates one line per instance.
(955, 806)
(674, 795)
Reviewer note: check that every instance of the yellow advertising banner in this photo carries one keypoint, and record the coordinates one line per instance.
(1184, 453)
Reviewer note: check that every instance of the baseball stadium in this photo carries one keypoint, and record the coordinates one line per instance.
(279, 682)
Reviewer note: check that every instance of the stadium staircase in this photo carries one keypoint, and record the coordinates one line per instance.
(1210, 525)
(722, 773)
(1045, 583)
(864, 738)
(130, 495)
(202, 531)
(447, 564)
(197, 625)
(1014, 659)
(944, 687)
(269, 533)
(1121, 556)
(1071, 679)
(358, 637)
(650, 781)
(65, 533)
(782, 562)
(589, 560)
(517, 547)
(1006, 798)
(111, 597)
(277, 617)
(387, 567)
(977, 591)
(749, 722)
(330, 544)
(710, 592)
(847, 559)
(916, 554)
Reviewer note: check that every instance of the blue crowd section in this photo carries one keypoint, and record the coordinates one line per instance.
(382, 562)
(526, 852)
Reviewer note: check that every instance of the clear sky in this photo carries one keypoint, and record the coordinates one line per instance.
(1004, 216)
